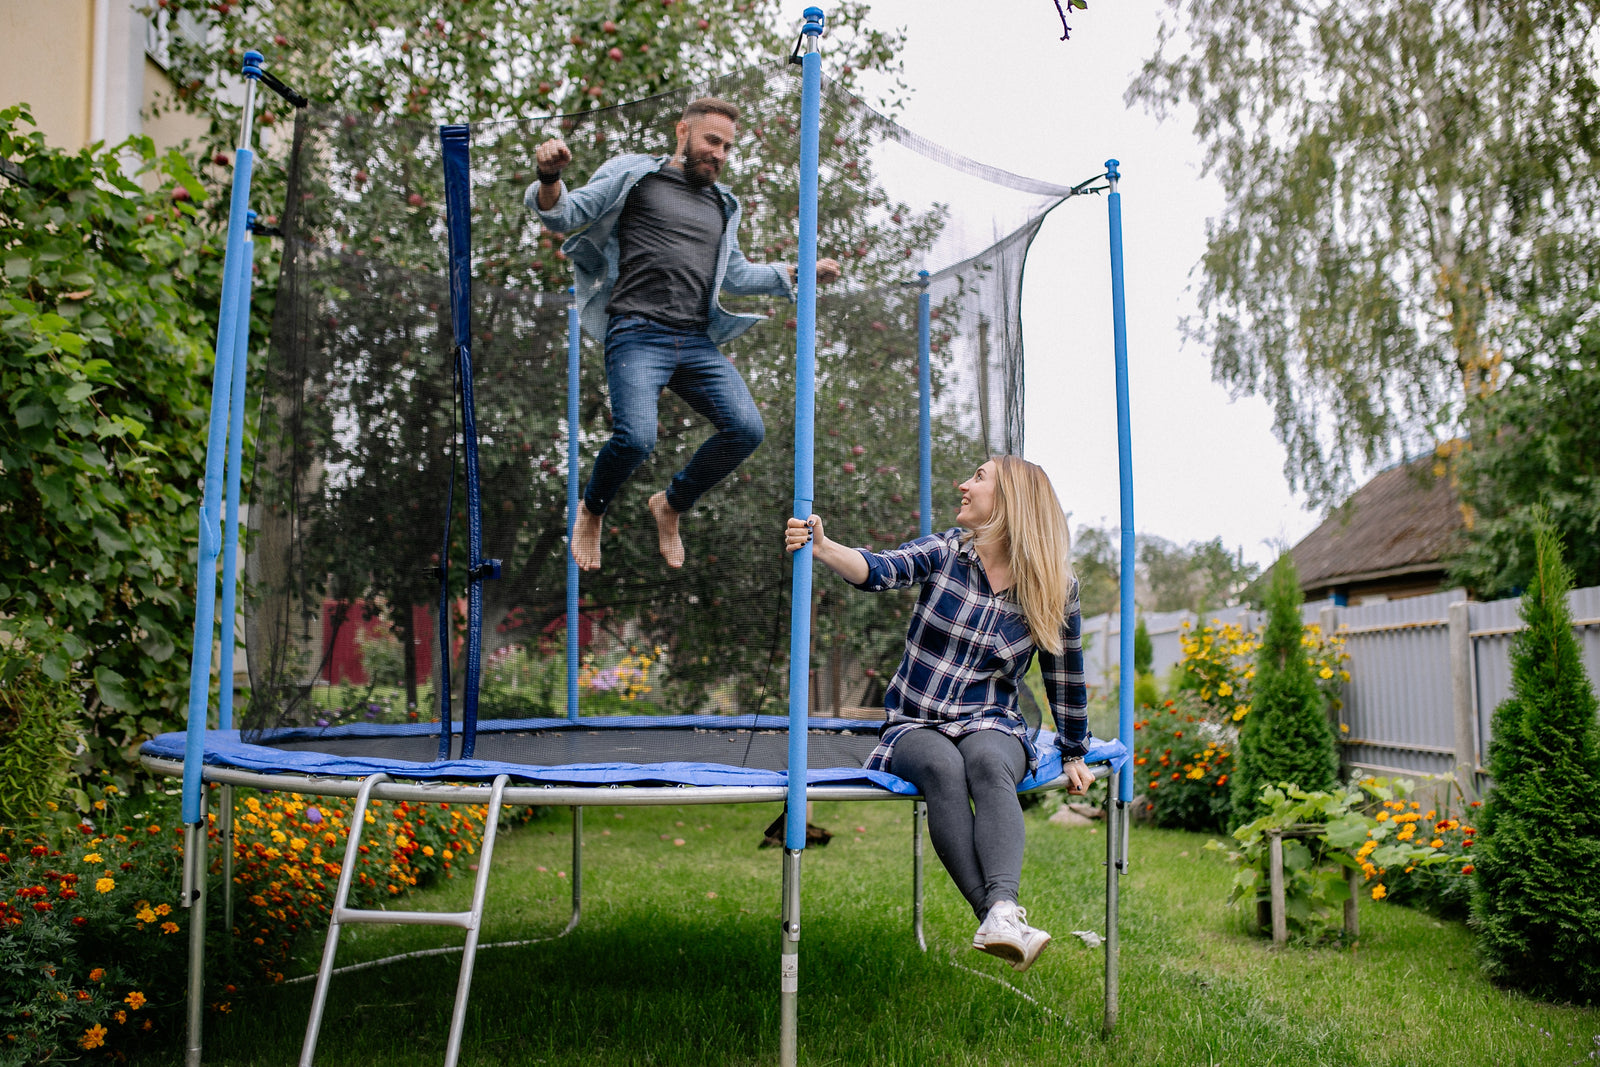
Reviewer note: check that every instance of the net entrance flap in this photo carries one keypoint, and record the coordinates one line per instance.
(359, 455)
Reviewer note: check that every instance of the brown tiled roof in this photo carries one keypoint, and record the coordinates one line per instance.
(1402, 521)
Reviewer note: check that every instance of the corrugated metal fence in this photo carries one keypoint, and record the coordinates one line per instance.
(1426, 673)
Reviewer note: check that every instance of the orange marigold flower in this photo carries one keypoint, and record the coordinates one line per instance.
(1379, 892)
(1468, 869)
(169, 927)
(97, 974)
(134, 1000)
(1436, 843)
(121, 1017)
(105, 885)
(92, 1038)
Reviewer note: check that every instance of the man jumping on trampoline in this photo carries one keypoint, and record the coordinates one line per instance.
(992, 595)
(655, 239)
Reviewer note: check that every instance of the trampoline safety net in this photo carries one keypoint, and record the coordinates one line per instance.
(359, 468)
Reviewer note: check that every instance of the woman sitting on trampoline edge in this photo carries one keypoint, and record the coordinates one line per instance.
(994, 592)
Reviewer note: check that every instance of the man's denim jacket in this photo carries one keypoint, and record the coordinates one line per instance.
(591, 213)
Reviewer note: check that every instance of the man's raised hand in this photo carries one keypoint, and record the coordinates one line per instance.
(552, 157)
(828, 270)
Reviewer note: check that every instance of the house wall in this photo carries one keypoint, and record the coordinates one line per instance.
(86, 71)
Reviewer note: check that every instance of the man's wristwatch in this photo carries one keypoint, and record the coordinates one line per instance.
(549, 179)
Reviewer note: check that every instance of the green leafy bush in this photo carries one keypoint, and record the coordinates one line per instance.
(1350, 828)
(1537, 905)
(37, 735)
(1285, 736)
(107, 296)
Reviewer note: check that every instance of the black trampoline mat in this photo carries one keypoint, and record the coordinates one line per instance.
(766, 750)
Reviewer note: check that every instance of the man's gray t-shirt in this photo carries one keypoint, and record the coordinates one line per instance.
(669, 233)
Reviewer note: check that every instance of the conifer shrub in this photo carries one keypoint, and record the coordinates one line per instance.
(1286, 736)
(37, 736)
(1537, 902)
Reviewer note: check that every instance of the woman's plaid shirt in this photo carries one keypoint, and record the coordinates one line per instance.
(967, 650)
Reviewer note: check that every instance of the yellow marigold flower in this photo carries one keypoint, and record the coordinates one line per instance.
(1224, 690)
(427, 850)
(1437, 842)
(298, 843)
(254, 805)
(278, 837)
(1382, 816)
(1379, 892)
(145, 915)
(99, 805)
(93, 857)
(112, 790)
(105, 885)
(1415, 806)
(1325, 673)
(447, 854)
(134, 1000)
(92, 1038)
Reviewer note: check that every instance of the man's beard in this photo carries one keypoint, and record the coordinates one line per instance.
(700, 170)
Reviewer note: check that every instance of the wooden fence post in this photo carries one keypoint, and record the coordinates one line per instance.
(1461, 667)
(1352, 919)
(1280, 918)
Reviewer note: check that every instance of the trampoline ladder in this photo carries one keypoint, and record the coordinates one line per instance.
(471, 920)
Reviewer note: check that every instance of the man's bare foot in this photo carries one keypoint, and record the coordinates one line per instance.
(667, 538)
(586, 539)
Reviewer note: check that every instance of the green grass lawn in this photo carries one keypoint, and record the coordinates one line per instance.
(676, 962)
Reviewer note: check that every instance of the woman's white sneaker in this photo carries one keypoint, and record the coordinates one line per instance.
(1034, 941)
(1003, 933)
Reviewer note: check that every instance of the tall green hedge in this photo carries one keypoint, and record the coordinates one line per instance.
(1537, 901)
(107, 295)
(1286, 737)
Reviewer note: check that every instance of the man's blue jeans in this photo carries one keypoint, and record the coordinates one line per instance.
(645, 357)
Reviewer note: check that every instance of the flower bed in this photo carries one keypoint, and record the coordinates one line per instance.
(95, 948)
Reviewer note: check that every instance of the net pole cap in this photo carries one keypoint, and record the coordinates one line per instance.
(814, 20)
(1112, 168)
(252, 64)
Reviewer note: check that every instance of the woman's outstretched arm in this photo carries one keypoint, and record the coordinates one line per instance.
(847, 563)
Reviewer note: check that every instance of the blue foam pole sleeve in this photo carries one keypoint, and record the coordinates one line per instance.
(924, 412)
(230, 535)
(574, 630)
(805, 387)
(455, 142)
(1119, 333)
(211, 501)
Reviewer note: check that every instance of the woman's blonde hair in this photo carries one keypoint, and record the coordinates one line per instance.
(1028, 521)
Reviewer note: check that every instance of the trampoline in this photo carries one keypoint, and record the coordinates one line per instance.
(413, 415)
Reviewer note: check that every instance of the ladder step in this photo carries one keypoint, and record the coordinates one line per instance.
(463, 919)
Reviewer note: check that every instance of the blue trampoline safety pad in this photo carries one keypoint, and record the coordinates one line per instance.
(360, 749)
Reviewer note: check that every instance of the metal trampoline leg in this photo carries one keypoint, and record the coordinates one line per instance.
(225, 837)
(1116, 862)
(788, 997)
(195, 864)
(577, 872)
(919, 812)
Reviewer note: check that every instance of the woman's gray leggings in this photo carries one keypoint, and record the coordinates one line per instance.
(974, 817)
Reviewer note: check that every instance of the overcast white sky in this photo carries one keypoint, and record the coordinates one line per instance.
(993, 81)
